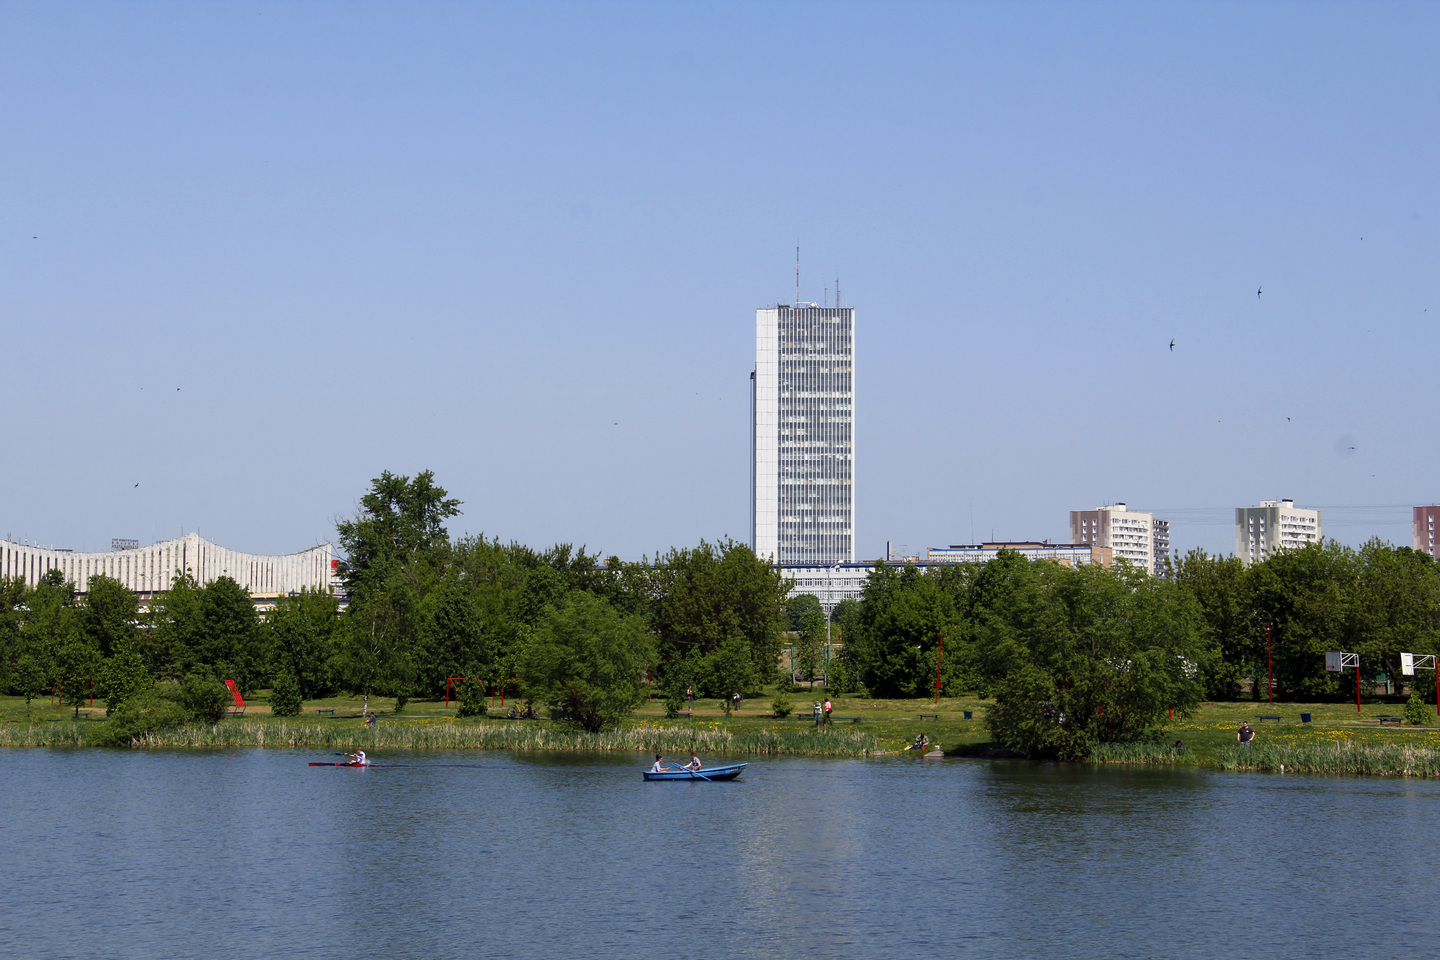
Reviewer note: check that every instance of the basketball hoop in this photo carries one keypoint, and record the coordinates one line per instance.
(1337, 661)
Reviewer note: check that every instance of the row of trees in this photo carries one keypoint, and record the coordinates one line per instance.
(1072, 656)
(423, 609)
(1083, 655)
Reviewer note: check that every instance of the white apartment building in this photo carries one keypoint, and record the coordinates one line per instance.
(1130, 535)
(803, 435)
(1274, 525)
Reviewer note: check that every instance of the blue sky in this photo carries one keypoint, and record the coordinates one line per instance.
(251, 255)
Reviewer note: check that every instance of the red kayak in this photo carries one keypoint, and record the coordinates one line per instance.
(352, 763)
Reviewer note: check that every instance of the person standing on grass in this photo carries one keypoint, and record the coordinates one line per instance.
(828, 708)
(1245, 735)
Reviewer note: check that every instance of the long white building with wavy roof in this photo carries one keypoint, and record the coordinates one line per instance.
(147, 570)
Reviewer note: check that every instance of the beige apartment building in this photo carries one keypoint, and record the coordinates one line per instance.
(1273, 526)
(1130, 535)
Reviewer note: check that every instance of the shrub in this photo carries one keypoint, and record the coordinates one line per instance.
(285, 696)
(472, 700)
(673, 703)
(1417, 714)
(205, 698)
(147, 713)
(782, 706)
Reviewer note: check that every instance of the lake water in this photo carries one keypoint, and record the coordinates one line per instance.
(254, 854)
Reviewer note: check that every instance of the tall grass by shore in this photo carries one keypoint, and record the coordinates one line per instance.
(1338, 756)
(1144, 753)
(450, 735)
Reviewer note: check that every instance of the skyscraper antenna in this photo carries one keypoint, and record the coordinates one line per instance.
(797, 276)
(837, 289)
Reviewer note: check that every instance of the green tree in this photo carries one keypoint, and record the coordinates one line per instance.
(807, 625)
(895, 642)
(1223, 592)
(471, 696)
(1084, 656)
(396, 547)
(707, 595)
(1305, 594)
(169, 649)
(56, 639)
(304, 640)
(729, 669)
(12, 602)
(285, 699)
(205, 698)
(123, 675)
(230, 639)
(109, 615)
(1393, 606)
(588, 658)
(400, 521)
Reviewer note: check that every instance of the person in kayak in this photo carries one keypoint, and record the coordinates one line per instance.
(358, 758)
(694, 763)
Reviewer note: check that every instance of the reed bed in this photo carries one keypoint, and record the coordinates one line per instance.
(1142, 753)
(1336, 756)
(64, 733)
(447, 734)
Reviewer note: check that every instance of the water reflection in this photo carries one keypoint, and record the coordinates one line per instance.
(255, 854)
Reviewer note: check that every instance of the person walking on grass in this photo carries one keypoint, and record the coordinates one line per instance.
(828, 708)
(1245, 735)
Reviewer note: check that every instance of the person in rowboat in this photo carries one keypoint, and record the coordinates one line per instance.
(694, 763)
(659, 766)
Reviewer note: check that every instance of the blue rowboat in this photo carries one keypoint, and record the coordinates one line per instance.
(729, 772)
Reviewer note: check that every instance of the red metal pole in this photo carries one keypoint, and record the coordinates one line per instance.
(1357, 684)
(1437, 689)
(938, 657)
(1270, 658)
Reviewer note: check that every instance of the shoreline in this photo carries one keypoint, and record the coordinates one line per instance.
(1334, 757)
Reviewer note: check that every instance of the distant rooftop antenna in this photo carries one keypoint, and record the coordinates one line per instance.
(797, 276)
(837, 289)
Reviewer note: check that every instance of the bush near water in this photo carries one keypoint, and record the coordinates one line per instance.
(1072, 660)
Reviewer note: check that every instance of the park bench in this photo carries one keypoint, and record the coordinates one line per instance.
(1267, 716)
(1395, 720)
(851, 719)
(329, 710)
(930, 716)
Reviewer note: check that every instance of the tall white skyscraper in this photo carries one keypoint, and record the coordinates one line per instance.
(803, 434)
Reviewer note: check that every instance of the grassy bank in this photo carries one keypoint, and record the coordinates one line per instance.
(449, 734)
(1339, 739)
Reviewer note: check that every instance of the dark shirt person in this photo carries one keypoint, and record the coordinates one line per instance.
(1245, 735)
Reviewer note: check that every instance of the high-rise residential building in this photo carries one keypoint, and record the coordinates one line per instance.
(1274, 525)
(1160, 544)
(1422, 530)
(803, 435)
(1129, 535)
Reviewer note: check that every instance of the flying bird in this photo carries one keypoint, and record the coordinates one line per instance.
(1257, 292)
(136, 485)
(1172, 346)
